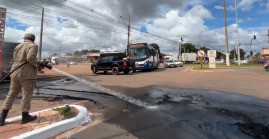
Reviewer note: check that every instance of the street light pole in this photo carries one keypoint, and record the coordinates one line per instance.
(180, 49)
(238, 45)
(226, 36)
(128, 27)
(251, 52)
(41, 34)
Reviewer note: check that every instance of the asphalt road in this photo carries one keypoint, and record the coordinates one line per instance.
(187, 104)
(178, 113)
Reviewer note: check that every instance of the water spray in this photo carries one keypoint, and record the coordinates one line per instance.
(111, 92)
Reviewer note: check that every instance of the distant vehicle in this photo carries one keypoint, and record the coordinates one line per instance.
(170, 64)
(242, 61)
(73, 63)
(220, 61)
(55, 60)
(189, 57)
(178, 63)
(144, 56)
(259, 61)
(205, 61)
(266, 66)
(165, 58)
(112, 62)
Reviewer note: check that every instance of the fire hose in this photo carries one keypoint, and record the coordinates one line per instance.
(45, 65)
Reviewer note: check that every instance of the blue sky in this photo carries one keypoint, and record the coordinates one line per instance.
(257, 16)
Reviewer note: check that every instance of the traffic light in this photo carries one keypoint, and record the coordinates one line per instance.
(254, 37)
(251, 53)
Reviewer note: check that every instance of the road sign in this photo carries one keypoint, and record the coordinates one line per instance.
(201, 53)
(211, 53)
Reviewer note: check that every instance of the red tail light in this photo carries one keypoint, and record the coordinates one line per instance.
(124, 64)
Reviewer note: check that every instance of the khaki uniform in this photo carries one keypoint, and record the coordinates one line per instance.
(24, 78)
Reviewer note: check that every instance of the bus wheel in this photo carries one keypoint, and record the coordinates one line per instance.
(115, 70)
(105, 72)
(94, 70)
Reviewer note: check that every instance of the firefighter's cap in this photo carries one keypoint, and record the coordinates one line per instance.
(28, 36)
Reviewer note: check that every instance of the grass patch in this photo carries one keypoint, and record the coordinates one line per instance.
(69, 114)
(223, 66)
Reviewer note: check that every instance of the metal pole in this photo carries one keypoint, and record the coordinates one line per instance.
(226, 36)
(41, 33)
(238, 46)
(129, 24)
(180, 47)
(251, 52)
(268, 36)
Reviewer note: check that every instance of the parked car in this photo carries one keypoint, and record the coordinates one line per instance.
(178, 63)
(259, 61)
(115, 62)
(242, 61)
(220, 61)
(266, 66)
(170, 64)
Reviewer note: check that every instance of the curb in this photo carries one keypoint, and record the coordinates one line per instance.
(56, 128)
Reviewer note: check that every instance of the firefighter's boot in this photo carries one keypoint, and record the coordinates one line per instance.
(26, 117)
(3, 117)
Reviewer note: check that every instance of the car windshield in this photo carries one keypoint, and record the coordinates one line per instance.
(169, 61)
(138, 52)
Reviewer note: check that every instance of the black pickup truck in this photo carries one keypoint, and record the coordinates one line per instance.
(115, 62)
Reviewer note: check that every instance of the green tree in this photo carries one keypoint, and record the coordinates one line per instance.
(257, 55)
(68, 54)
(84, 52)
(220, 55)
(94, 51)
(77, 53)
(189, 48)
(242, 54)
(156, 46)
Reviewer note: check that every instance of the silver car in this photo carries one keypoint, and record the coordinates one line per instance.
(178, 63)
(170, 64)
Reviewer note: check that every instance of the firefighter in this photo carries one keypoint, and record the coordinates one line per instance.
(23, 79)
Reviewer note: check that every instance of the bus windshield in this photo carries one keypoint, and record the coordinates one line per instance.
(138, 52)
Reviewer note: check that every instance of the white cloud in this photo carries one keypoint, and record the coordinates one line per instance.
(247, 5)
(90, 31)
(218, 7)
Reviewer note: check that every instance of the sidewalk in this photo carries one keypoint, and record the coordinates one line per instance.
(44, 119)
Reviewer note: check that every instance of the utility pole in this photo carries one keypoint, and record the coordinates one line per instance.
(41, 35)
(181, 39)
(251, 52)
(226, 36)
(238, 45)
(129, 25)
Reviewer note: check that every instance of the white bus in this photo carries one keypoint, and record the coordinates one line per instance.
(144, 56)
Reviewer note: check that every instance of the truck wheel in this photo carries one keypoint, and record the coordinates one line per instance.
(115, 70)
(126, 71)
(94, 69)
(105, 72)
(134, 70)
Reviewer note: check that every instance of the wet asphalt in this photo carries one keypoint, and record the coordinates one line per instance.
(177, 113)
